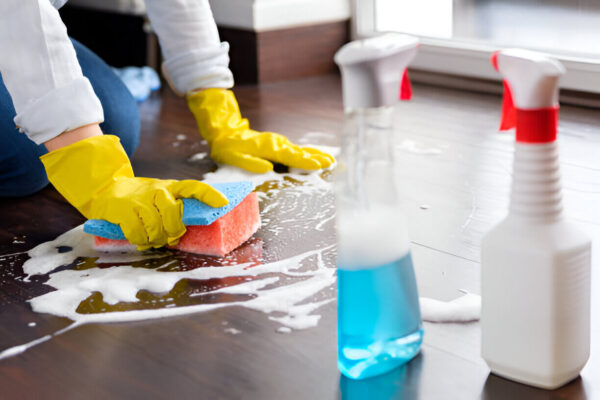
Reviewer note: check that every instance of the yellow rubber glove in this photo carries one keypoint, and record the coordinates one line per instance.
(96, 177)
(233, 142)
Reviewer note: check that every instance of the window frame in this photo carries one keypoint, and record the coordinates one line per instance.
(470, 59)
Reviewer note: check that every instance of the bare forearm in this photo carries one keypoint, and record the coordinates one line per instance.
(75, 135)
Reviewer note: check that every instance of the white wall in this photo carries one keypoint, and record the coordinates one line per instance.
(264, 15)
(257, 15)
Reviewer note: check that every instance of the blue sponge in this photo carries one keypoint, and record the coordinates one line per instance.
(194, 211)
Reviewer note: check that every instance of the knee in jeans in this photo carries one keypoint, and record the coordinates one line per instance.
(124, 121)
(28, 179)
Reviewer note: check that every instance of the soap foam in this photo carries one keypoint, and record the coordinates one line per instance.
(198, 157)
(371, 238)
(320, 137)
(48, 256)
(16, 350)
(227, 173)
(411, 146)
(289, 291)
(466, 308)
(121, 284)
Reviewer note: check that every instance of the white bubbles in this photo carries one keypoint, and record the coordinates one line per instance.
(287, 283)
(371, 238)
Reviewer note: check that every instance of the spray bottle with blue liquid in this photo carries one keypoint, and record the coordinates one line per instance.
(379, 319)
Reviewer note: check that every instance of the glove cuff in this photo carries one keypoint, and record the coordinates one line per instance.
(83, 169)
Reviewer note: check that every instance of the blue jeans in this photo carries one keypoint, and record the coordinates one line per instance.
(21, 171)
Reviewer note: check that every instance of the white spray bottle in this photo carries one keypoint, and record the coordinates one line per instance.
(379, 319)
(535, 265)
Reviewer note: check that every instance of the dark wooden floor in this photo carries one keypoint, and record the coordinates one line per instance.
(451, 199)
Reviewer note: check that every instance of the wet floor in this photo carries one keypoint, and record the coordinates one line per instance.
(297, 218)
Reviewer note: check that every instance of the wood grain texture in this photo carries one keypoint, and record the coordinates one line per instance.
(243, 53)
(451, 199)
(299, 52)
(283, 54)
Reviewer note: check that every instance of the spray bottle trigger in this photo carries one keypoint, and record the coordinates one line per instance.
(508, 120)
(405, 86)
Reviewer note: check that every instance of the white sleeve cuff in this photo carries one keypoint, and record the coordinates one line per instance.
(205, 68)
(61, 109)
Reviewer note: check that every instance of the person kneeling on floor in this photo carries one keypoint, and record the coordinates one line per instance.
(66, 118)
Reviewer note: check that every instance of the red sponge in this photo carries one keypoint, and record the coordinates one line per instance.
(217, 239)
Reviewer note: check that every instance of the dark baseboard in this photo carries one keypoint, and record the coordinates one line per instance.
(243, 54)
(270, 56)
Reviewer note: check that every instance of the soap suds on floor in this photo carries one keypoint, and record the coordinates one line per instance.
(19, 239)
(233, 331)
(227, 173)
(48, 256)
(31, 324)
(122, 284)
(198, 157)
(411, 146)
(5, 256)
(16, 350)
(310, 137)
(466, 308)
(244, 288)
(288, 290)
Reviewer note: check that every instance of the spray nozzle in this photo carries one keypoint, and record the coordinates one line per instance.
(405, 85)
(530, 102)
(374, 70)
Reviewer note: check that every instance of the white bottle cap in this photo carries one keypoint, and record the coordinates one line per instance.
(372, 69)
(531, 76)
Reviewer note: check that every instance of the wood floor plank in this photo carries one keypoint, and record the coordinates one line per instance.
(451, 198)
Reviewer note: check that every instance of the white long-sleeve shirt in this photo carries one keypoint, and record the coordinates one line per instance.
(40, 69)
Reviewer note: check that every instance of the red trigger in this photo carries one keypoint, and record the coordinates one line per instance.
(494, 59)
(405, 87)
(508, 120)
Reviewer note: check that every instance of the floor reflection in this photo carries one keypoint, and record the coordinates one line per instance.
(497, 388)
(399, 384)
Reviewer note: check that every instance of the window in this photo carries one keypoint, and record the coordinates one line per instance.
(459, 35)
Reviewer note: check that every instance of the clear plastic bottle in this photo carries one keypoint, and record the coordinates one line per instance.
(379, 319)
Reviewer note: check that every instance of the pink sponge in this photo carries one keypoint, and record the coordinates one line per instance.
(217, 239)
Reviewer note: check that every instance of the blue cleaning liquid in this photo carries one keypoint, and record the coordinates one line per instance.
(379, 319)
